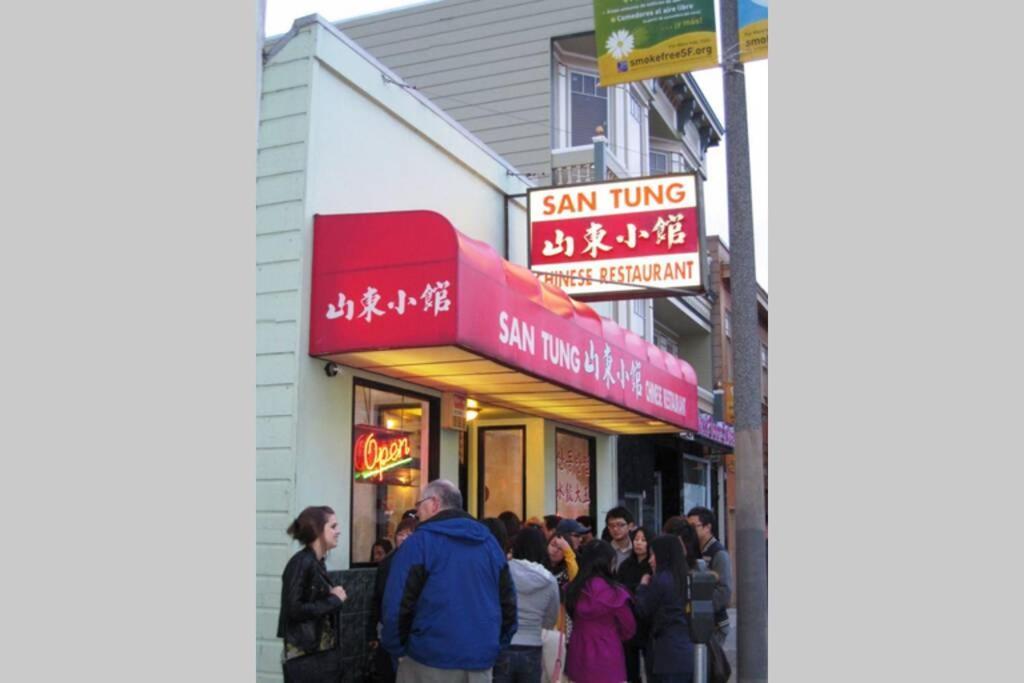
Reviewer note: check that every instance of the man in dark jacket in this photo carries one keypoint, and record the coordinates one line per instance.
(449, 602)
(703, 520)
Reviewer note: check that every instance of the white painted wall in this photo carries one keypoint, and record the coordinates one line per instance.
(335, 138)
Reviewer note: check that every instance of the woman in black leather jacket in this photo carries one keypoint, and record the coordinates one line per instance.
(310, 603)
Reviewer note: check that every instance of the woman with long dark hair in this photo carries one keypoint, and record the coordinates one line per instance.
(661, 602)
(537, 609)
(602, 619)
(631, 571)
(310, 602)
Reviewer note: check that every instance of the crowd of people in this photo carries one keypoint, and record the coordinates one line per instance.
(463, 600)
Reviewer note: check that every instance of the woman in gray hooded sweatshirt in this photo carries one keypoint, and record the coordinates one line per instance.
(537, 608)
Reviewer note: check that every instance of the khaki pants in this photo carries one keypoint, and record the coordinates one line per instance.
(411, 671)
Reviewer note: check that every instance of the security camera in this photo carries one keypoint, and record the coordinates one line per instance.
(331, 369)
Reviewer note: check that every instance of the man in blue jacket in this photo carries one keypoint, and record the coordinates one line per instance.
(449, 603)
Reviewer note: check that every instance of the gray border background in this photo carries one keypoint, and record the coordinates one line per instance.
(895, 353)
(128, 341)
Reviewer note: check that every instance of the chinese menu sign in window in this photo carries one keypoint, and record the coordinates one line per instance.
(572, 475)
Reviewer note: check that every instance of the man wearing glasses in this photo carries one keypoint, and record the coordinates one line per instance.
(449, 603)
(703, 520)
(618, 520)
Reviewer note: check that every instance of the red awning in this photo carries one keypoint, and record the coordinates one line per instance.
(406, 295)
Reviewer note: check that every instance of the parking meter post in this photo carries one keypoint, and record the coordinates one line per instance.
(702, 618)
(700, 663)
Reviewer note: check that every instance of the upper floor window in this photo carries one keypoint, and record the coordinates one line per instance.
(639, 317)
(728, 325)
(659, 163)
(634, 109)
(764, 356)
(666, 343)
(588, 108)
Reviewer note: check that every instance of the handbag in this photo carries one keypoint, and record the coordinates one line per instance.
(313, 667)
(719, 669)
(553, 653)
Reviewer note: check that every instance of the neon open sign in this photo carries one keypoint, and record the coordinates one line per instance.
(377, 451)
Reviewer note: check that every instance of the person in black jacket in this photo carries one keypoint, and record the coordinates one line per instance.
(661, 602)
(310, 602)
(631, 571)
(384, 667)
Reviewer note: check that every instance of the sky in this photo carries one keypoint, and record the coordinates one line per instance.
(281, 13)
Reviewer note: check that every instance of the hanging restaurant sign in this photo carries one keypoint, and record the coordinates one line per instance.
(378, 452)
(624, 239)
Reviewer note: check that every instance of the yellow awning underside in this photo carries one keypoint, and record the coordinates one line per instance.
(450, 368)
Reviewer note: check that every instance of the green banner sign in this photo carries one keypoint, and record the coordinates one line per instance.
(638, 39)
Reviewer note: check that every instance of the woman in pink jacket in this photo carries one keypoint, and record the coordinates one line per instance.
(602, 619)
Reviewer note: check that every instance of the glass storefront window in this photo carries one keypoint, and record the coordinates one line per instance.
(696, 484)
(390, 458)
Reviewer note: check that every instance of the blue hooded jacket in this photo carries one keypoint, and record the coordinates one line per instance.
(450, 602)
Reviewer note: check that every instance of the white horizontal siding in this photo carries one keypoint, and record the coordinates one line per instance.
(284, 130)
(285, 75)
(276, 368)
(268, 592)
(271, 529)
(278, 277)
(277, 307)
(279, 246)
(275, 400)
(280, 218)
(282, 159)
(275, 337)
(266, 623)
(283, 187)
(275, 463)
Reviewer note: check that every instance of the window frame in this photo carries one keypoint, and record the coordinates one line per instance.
(568, 127)
(433, 449)
(481, 466)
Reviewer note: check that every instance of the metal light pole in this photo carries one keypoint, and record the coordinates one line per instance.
(751, 551)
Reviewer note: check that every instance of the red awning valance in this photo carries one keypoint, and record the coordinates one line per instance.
(404, 294)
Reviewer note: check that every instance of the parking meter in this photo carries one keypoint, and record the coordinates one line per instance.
(702, 610)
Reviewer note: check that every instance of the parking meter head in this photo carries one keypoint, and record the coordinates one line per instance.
(702, 610)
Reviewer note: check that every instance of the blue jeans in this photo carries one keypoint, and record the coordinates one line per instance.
(519, 664)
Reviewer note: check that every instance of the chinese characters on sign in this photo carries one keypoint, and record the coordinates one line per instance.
(572, 475)
(616, 240)
(609, 367)
(434, 299)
